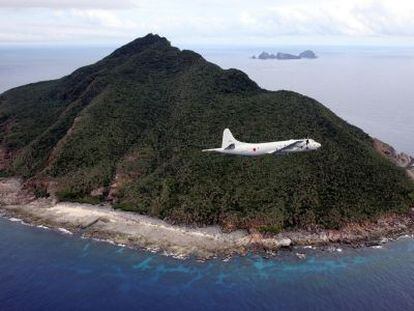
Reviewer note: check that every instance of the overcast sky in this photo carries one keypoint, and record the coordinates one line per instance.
(210, 22)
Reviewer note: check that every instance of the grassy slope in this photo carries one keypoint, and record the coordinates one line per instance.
(144, 113)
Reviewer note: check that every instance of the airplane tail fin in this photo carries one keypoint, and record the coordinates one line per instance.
(228, 139)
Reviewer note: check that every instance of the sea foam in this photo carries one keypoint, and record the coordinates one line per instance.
(64, 231)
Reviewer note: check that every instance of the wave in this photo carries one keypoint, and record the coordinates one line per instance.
(43, 227)
(64, 231)
(377, 247)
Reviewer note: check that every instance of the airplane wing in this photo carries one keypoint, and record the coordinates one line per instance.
(294, 144)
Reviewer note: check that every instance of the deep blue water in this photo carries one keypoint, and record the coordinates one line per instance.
(44, 270)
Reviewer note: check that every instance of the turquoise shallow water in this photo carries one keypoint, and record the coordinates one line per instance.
(44, 270)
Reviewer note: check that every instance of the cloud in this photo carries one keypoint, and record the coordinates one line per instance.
(65, 4)
(347, 18)
(102, 18)
(207, 22)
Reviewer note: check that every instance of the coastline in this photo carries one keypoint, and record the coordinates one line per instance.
(132, 230)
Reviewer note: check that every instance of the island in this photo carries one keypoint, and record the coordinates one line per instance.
(308, 54)
(113, 151)
(286, 56)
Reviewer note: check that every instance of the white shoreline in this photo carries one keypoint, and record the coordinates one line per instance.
(128, 229)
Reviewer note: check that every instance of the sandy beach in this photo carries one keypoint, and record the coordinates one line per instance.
(139, 231)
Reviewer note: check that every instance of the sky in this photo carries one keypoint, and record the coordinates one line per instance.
(210, 22)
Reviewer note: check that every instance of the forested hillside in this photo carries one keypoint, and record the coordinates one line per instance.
(130, 128)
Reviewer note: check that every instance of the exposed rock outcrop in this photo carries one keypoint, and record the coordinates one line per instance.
(400, 159)
(4, 158)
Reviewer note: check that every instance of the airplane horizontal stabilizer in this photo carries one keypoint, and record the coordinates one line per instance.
(211, 150)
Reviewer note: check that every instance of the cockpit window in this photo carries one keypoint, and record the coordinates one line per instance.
(307, 141)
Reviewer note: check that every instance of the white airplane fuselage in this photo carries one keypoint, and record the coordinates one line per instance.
(232, 146)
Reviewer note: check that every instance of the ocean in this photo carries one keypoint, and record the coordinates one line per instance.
(45, 270)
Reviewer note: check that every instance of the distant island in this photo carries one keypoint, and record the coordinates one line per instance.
(113, 151)
(309, 54)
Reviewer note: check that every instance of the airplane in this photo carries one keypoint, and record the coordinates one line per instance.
(230, 145)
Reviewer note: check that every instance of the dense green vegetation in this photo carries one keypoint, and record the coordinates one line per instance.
(133, 125)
